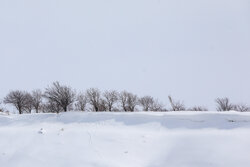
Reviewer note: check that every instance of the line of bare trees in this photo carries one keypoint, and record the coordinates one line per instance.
(60, 98)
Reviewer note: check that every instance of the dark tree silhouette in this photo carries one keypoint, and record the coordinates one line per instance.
(223, 104)
(94, 98)
(128, 101)
(19, 99)
(60, 95)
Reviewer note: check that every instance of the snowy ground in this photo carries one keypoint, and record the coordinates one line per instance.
(183, 139)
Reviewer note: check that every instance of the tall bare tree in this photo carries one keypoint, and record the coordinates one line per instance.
(37, 99)
(94, 98)
(223, 104)
(19, 99)
(176, 105)
(81, 102)
(60, 95)
(128, 101)
(110, 98)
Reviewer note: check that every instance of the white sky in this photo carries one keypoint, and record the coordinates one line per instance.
(194, 50)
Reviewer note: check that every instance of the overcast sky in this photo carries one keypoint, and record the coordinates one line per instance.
(194, 50)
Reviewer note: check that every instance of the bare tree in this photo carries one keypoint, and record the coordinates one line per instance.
(128, 101)
(103, 105)
(123, 96)
(60, 95)
(94, 98)
(157, 106)
(146, 102)
(241, 108)
(81, 102)
(37, 99)
(176, 105)
(18, 99)
(198, 108)
(29, 103)
(51, 107)
(1, 108)
(223, 104)
(110, 98)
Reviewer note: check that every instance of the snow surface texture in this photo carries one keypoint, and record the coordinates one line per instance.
(175, 139)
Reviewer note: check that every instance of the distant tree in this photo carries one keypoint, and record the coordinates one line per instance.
(59, 95)
(37, 100)
(123, 96)
(19, 99)
(51, 107)
(157, 106)
(198, 108)
(94, 98)
(128, 101)
(1, 108)
(176, 105)
(82, 101)
(223, 104)
(146, 102)
(29, 103)
(110, 98)
(241, 108)
(103, 105)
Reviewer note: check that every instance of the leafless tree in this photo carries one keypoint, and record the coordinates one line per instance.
(51, 107)
(37, 99)
(123, 96)
(94, 98)
(128, 101)
(29, 103)
(110, 98)
(157, 106)
(198, 108)
(81, 102)
(60, 95)
(176, 105)
(18, 99)
(241, 108)
(103, 105)
(223, 104)
(146, 102)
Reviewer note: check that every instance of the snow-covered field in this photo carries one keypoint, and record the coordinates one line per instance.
(179, 139)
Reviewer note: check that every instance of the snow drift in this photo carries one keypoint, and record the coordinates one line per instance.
(175, 139)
